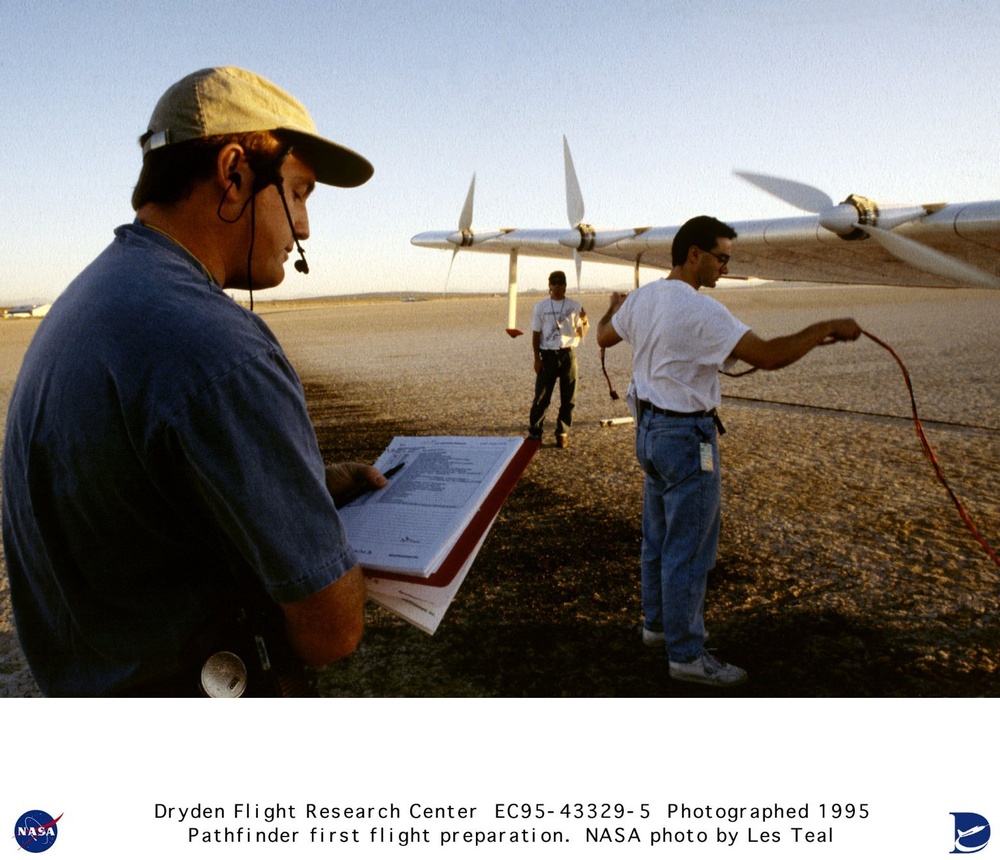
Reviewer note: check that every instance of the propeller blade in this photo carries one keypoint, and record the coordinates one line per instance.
(930, 260)
(465, 219)
(574, 197)
(452, 263)
(798, 194)
(464, 225)
(574, 209)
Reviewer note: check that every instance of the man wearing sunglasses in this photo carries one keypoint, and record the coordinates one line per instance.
(681, 339)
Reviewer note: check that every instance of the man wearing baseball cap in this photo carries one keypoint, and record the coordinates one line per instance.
(168, 522)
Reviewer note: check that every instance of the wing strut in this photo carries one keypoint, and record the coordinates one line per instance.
(512, 328)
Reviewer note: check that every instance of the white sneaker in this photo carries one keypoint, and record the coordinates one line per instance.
(652, 639)
(706, 669)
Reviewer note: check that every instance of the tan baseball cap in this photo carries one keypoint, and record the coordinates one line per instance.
(230, 100)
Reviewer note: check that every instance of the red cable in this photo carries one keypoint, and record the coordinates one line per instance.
(611, 390)
(930, 453)
(920, 435)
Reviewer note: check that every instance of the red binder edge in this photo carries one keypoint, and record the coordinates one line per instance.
(477, 526)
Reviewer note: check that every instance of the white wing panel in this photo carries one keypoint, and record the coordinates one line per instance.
(785, 249)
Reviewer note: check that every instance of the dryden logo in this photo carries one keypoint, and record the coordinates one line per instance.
(972, 833)
(36, 831)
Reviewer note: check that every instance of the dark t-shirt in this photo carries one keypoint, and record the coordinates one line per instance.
(157, 446)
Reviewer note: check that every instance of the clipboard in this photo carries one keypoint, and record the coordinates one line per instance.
(471, 538)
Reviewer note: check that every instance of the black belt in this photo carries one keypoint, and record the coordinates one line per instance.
(656, 410)
(561, 349)
(646, 406)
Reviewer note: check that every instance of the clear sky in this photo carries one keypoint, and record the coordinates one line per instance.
(660, 101)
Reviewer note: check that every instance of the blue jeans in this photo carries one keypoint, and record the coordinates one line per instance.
(681, 515)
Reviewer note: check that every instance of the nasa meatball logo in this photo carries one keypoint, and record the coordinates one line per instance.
(36, 831)
(972, 832)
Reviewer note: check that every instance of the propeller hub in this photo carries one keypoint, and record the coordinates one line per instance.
(586, 237)
(580, 238)
(842, 218)
(461, 238)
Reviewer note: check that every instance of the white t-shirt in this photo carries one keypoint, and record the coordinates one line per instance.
(680, 340)
(557, 322)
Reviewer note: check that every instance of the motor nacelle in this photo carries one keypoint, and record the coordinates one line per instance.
(846, 219)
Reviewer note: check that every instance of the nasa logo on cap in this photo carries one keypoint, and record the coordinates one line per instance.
(36, 831)
(972, 832)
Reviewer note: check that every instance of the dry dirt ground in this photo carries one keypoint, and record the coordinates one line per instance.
(844, 569)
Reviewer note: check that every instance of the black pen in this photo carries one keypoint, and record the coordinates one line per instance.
(358, 493)
(388, 473)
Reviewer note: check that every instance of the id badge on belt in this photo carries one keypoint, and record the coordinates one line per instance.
(707, 461)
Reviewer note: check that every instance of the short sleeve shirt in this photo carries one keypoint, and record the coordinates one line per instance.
(158, 450)
(680, 340)
(556, 323)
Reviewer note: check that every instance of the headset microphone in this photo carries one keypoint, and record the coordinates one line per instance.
(300, 265)
(270, 175)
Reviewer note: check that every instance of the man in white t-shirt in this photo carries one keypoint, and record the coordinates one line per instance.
(558, 324)
(680, 340)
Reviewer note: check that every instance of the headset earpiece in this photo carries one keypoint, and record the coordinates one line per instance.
(269, 174)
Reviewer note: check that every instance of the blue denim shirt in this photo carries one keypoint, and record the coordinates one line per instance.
(157, 445)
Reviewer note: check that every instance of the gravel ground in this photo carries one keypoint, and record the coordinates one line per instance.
(844, 568)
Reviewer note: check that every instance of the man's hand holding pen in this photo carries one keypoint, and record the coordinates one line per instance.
(347, 481)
